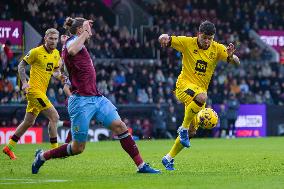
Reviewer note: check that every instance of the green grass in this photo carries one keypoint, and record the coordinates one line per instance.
(209, 163)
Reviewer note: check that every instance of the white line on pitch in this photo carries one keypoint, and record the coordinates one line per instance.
(28, 181)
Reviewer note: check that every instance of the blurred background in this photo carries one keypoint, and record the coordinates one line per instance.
(139, 77)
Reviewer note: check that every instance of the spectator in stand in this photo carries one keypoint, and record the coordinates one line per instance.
(172, 122)
(159, 119)
(147, 129)
(223, 120)
(232, 114)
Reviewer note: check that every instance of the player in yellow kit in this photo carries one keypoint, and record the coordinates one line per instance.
(200, 56)
(44, 61)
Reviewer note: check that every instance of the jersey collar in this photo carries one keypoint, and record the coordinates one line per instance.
(46, 49)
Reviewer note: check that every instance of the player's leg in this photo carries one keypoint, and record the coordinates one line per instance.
(80, 115)
(21, 129)
(108, 115)
(168, 160)
(63, 151)
(53, 118)
(194, 99)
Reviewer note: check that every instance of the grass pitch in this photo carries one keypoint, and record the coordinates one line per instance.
(209, 163)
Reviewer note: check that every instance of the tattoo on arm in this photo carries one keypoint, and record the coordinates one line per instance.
(22, 71)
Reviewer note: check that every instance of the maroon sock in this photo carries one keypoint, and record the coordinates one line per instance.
(53, 140)
(130, 147)
(61, 151)
(15, 138)
(69, 137)
(66, 124)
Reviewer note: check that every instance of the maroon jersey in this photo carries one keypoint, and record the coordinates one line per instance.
(82, 73)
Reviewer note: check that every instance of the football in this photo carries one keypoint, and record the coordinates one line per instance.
(207, 118)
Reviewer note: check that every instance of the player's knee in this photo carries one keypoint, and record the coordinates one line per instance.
(118, 127)
(201, 98)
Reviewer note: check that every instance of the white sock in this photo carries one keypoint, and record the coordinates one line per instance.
(141, 165)
(168, 157)
(59, 124)
(41, 157)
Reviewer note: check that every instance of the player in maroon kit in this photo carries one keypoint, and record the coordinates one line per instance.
(86, 102)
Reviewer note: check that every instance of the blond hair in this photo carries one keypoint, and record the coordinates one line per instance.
(51, 31)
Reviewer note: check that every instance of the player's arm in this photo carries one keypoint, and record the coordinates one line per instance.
(22, 74)
(227, 54)
(67, 90)
(67, 87)
(57, 73)
(176, 42)
(73, 47)
(30, 58)
(232, 58)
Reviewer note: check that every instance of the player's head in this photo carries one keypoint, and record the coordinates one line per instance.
(206, 34)
(51, 38)
(74, 25)
(207, 118)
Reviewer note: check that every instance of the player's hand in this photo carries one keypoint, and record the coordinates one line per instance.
(63, 77)
(25, 88)
(87, 26)
(164, 40)
(231, 49)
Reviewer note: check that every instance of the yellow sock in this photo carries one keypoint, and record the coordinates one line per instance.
(190, 111)
(11, 145)
(54, 145)
(177, 147)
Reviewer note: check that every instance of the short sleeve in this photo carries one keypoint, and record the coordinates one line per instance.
(180, 42)
(222, 53)
(72, 40)
(30, 57)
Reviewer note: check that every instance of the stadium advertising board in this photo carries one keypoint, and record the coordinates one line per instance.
(274, 38)
(93, 134)
(12, 31)
(251, 121)
(32, 135)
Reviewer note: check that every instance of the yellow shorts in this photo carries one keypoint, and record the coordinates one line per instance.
(186, 93)
(37, 103)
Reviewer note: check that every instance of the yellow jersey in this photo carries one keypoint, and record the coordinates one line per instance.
(198, 65)
(43, 65)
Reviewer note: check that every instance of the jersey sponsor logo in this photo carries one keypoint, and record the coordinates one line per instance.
(49, 66)
(201, 66)
(195, 51)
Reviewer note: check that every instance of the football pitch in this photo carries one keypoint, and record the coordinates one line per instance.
(208, 163)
